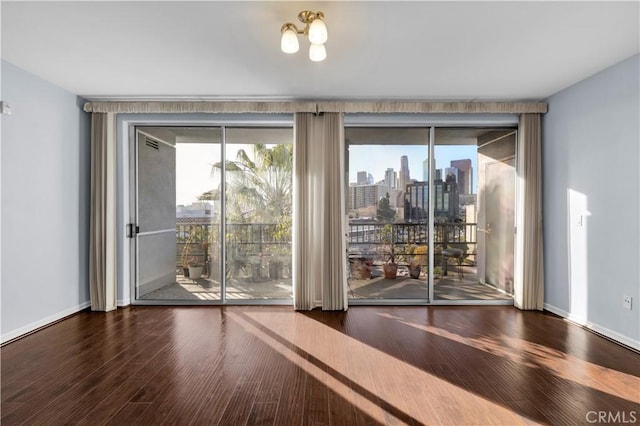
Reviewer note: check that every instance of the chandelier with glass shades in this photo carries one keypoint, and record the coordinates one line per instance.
(314, 29)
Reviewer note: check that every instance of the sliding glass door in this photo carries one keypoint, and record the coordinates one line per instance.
(474, 200)
(437, 212)
(258, 213)
(387, 209)
(213, 214)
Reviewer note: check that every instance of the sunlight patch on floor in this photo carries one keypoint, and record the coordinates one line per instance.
(533, 355)
(346, 365)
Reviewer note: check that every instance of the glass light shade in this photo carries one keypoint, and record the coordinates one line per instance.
(289, 41)
(317, 52)
(318, 32)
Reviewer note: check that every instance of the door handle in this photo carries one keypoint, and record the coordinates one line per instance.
(132, 230)
(487, 230)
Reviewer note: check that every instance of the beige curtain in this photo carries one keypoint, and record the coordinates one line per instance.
(102, 250)
(529, 287)
(319, 271)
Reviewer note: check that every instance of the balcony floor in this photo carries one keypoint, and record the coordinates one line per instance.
(452, 288)
(208, 289)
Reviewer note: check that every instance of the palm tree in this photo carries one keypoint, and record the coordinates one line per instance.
(259, 187)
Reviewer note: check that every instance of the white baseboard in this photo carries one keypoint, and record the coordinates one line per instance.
(123, 302)
(613, 335)
(41, 323)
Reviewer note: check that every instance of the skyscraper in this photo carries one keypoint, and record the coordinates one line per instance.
(362, 178)
(391, 179)
(465, 175)
(404, 178)
(451, 171)
(425, 169)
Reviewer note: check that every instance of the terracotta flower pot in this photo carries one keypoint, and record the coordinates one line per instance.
(390, 270)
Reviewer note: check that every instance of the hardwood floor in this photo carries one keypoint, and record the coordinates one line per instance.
(272, 366)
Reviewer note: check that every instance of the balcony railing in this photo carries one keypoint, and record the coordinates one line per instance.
(373, 240)
(197, 242)
(365, 239)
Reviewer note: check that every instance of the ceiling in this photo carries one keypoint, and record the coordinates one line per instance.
(376, 50)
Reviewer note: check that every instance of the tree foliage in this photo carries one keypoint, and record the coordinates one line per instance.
(385, 213)
(259, 184)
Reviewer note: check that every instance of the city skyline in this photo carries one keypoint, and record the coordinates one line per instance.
(376, 159)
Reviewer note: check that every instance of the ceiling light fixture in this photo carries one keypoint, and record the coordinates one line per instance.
(314, 29)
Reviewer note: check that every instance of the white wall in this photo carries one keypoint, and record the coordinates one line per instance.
(591, 159)
(45, 203)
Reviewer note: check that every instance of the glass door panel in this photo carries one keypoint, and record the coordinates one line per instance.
(258, 212)
(387, 205)
(474, 199)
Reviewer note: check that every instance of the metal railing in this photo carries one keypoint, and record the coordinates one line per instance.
(374, 240)
(197, 242)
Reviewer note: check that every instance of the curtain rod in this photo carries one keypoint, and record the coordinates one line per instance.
(380, 107)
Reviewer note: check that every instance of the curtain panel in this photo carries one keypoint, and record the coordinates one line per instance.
(102, 240)
(319, 272)
(529, 287)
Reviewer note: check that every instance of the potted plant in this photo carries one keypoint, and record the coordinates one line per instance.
(184, 260)
(414, 268)
(195, 269)
(361, 268)
(390, 267)
(419, 259)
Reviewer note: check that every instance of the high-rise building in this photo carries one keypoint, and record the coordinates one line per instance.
(438, 174)
(370, 179)
(450, 174)
(446, 201)
(465, 175)
(365, 195)
(391, 179)
(362, 178)
(404, 178)
(425, 169)
(416, 202)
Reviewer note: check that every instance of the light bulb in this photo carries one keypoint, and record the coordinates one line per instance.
(289, 41)
(317, 52)
(318, 32)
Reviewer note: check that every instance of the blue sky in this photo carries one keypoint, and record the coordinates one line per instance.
(193, 163)
(375, 159)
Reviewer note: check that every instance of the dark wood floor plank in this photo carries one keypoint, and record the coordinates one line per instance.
(109, 407)
(239, 406)
(291, 405)
(130, 414)
(262, 414)
(271, 365)
(223, 384)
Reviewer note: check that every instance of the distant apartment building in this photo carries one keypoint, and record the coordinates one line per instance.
(200, 212)
(365, 195)
(446, 201)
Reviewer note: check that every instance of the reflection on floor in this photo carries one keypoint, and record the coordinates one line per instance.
(209, 289)
(451, 287)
